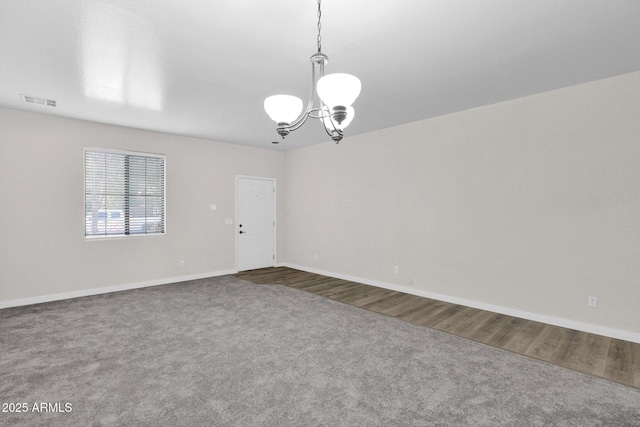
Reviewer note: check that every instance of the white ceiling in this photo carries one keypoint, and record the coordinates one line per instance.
(203, 67)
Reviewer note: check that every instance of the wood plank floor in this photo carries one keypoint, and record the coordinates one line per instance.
(605, 357)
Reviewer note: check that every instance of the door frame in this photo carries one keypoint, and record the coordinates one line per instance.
(236, 229)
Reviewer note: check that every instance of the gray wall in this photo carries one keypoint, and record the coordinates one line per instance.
(530, 205)
(527, 206)
(42, 246)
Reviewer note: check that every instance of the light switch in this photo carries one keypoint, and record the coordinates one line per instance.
(228, 221)
(213, 207)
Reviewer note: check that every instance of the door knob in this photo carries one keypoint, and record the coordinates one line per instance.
(242, 232)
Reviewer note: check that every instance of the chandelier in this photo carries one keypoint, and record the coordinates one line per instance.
(336, 93)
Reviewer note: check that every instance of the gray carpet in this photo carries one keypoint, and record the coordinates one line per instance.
(225, 352)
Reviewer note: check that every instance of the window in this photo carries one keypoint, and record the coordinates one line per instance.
(124, 193)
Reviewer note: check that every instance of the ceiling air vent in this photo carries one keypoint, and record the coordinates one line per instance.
(38, 100)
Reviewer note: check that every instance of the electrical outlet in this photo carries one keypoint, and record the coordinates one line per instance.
(593, 301)
(396, 269)
(181, 263)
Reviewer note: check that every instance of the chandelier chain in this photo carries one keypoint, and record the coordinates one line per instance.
(319, 28)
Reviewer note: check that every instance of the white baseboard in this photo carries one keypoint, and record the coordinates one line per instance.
(108, 289)
(551, 320)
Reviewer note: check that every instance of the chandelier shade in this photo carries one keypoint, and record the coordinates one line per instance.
(339, 89)
(283, 109)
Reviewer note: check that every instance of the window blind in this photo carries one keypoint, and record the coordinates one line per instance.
(124, 193)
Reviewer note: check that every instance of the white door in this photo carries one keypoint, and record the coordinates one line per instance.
(256, 222)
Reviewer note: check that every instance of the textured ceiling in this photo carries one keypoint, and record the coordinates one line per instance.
(203, 68)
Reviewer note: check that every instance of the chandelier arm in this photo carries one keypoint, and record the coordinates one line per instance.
(318, 113)
(317, 71)
(334, 132)
(297, 124)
